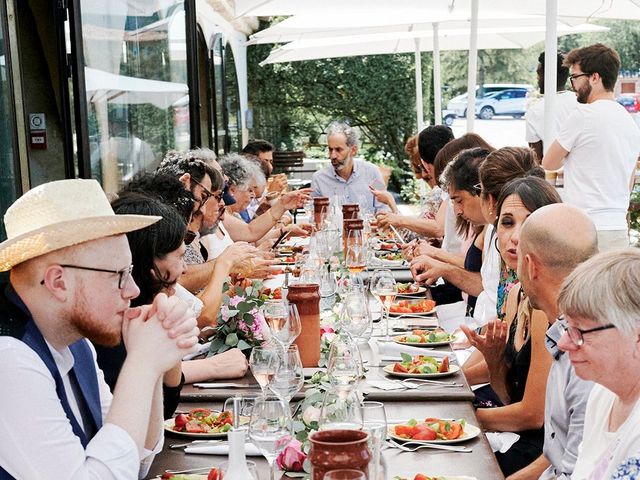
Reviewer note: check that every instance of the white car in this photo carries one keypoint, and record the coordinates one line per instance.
(459, 104)
(508, 102)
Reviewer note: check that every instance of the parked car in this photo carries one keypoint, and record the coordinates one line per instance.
(448, 116)
(508, 102)
(630, 101)
(459, 104)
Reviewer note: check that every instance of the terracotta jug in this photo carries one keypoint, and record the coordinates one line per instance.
(350, 210)
(306, 298)
(337, 449)
(347, 226)
(320, 210)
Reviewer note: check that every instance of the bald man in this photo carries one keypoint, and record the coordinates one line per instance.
(547, 254)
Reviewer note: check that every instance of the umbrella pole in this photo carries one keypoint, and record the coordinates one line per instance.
(473, 66)
(550, 71)
(419, 106)
(437, 90)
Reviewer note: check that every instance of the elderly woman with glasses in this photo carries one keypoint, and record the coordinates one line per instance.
(601, 308)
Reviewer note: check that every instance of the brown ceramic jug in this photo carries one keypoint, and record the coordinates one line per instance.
(350, 210)
(337, 449)
(306, 297)
(320, 210)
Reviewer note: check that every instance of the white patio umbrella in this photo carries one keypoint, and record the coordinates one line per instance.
(576, 11)
(106, 86)
(492, 33)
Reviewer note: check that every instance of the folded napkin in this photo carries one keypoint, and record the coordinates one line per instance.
(392, 349)
(223, 449)
(502, 441)
(384, 385)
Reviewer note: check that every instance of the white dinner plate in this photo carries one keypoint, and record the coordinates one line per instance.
(413, 314)
(469, 432)
(452, 369)
(423, 344)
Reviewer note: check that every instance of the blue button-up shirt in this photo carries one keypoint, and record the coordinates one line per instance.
(327, 183)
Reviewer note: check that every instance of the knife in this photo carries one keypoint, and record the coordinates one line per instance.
(226, 385)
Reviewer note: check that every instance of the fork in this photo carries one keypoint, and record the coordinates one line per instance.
(433, 446)
(195, 442)
(426, 381)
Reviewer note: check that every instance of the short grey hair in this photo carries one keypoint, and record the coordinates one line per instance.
(351, 134)
(605, 289)
(241, 171)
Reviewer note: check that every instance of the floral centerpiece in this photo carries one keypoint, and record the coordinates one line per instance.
(240, 323)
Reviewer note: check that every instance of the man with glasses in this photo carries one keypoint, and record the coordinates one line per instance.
(546, 256)
(598, 145)
(70, 282)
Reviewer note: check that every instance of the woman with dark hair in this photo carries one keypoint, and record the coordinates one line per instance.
(158, 262)
(511, 347)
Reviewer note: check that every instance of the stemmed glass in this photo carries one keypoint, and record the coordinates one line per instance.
(356, 256)
(356, 318)
(270, 428)
(289, 377)
(283, 320)
(340, 410)
(263, 363)
(241, 406)
(344, 364)
(375, 424)
(383, 287)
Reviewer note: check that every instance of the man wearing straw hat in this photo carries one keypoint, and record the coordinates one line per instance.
(70, 282)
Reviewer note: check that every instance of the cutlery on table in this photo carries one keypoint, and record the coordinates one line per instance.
(433, 446)
(190, 470)
(426, 381)
(226, 385)
(195, 442)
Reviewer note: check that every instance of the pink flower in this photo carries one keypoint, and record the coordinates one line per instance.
(326, 329)
(224, 311)
(235, 300)
(292, 457)
(242, 326)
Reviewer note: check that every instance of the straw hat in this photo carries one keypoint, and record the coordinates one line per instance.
(59, 214)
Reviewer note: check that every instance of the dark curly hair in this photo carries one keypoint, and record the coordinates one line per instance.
(177, 164)
(166, 188)
(150, 243)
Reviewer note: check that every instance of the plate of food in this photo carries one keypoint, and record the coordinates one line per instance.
(207, 473)
(422, 476)
(409, 289)
(414, 308)
(425, 338)
(388, 247)
(200, 423)
(433, 430)
(271, 293)
(287, 260)
(421, 366)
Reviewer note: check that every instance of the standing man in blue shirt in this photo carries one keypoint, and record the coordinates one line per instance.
(347, 178)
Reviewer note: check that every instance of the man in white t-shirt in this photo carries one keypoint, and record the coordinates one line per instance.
(598, 145)
(565, 104)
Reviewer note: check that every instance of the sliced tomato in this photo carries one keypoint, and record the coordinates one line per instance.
(199, 412)
(180, 421)
(406, 431)
(424, 432)
(224, 418)
(420, 476)
(444, 366)
(214, 474)
(398, 367)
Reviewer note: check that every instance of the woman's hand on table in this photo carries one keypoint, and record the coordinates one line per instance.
(229, 364)
(492, 343)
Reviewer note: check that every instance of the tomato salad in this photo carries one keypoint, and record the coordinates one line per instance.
(430, 429)
(421, 364)
(405, 306)
(426, 336)
(203, 420)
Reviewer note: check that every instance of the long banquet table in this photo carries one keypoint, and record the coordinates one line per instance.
(400, 405)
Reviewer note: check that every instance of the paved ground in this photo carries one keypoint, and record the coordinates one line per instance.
(498, 132)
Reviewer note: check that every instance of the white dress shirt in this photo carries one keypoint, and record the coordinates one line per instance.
(37, 439)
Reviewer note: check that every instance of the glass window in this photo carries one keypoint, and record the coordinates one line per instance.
(136, 81)
(233, 101)
(8, 192)
(220, 120)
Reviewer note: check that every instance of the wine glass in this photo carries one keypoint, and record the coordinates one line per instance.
(383, 287)
(263, 362)
(344, 364)
(340, 410)
(289, 377)
(283, 320)
(240, 406)
(374, 419)
(345, 474)
(356, 256)
(356, 318)
(270, 428)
